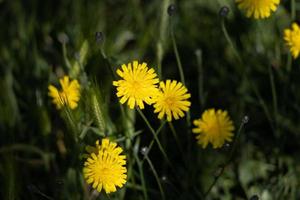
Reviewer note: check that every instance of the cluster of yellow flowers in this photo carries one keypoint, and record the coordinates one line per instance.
(104, 166)
(260, 9)
(138, 85)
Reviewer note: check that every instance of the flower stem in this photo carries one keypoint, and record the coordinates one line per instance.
(293, 10)
(229, 158)
(140, 167)
(156, 133)
(175, 135)
(228, 39)
(274, 97)
(200, 77)
(156, 176)
(155, 136)
(177, 54)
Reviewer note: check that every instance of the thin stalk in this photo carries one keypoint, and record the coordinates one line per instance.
(156, 176)
(140, 167)
(228, 39)
(180, 68)
(162, 36)
(228, 160)
(156, 133)
(67, 62)
(181, 73)
(274, 93)
(293, 10)
(200, 77)
(175, 135)
(155, 136)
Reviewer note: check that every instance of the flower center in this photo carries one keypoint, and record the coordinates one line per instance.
(169, 101)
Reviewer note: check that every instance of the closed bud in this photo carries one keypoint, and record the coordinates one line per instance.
(172, 9)
(144, 151)
(224, 11)
(63, 38)
(245, 119)
(99, 36)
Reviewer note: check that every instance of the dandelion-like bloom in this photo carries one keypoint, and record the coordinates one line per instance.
(68, 95)
(138, 84)
(104, 167)
(213, 127)
(172, 100)
(292, 39)
(259, 9)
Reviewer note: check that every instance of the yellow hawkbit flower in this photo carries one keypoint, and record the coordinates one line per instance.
(213, 127)
(171, 100)
(292, 39)
(104, 168)
(68, 95)
(259, 9)
(138, 84)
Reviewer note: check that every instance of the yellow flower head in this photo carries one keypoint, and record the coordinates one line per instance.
(259, 9)
(171, 100)
(138, 84)
(69, 93)
(292, 39)
(213, 127)
(104, 168)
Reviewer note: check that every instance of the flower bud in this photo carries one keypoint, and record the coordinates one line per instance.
(99, 36)
(171, 10)
(224, 11)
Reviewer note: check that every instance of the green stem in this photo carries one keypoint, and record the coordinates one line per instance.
(156, 133)
(140, 167)
(228, 39)
(177, 55)
(293, 10)
(229, 159)
(156, 176)
(274, 94)
(162, 35)
(200, 76)
(67, 62)
(175, 135)
(155, 136)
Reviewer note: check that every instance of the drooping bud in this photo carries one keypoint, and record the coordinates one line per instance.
(171, 9)
(99, 36)
(224, 11)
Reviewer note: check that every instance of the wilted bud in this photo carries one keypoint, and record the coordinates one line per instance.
(171, 9)
(99, 36)
(224, 11)
(63, 38)
(254, 197)
(144, 151)
(245, 119)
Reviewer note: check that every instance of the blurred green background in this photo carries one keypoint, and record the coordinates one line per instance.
(253, 76)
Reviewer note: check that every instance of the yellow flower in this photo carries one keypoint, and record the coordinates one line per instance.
(292, 39)
(104, 168)
(69, 93)
(171, 100)
(138, 84)
(213, 127)
(259, 9)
